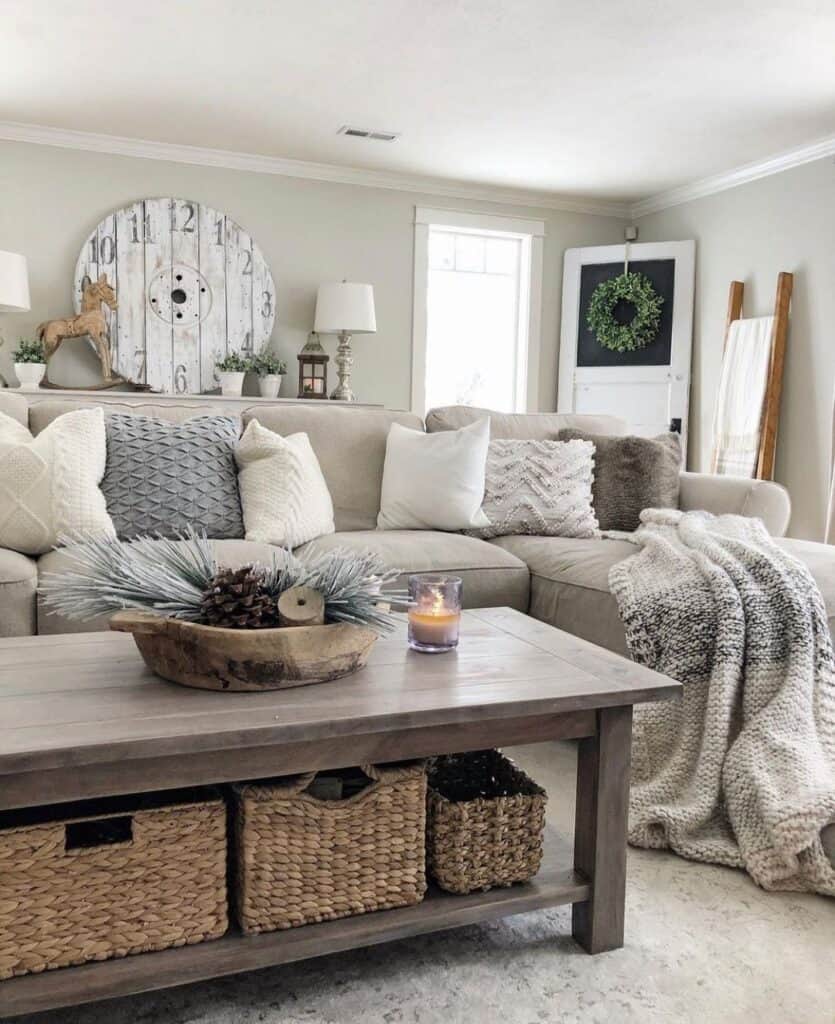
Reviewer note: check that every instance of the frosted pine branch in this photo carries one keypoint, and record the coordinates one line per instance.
(169, 577)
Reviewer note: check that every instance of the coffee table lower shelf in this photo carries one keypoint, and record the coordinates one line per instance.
(555, 884)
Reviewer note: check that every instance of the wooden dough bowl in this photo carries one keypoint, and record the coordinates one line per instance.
(212, 658)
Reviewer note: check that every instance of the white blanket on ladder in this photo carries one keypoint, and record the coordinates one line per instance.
(736, 429)
(741, 769)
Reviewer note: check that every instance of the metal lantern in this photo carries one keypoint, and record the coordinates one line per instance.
(313, 369)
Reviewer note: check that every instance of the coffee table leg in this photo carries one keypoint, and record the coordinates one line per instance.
(600, 830)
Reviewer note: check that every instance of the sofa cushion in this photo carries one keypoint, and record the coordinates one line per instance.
(231, 553)
(164, 477)
(350, 445)
(819, 559)
(284, 497)
(522, 426)
(631, 474)
(49, 484)
(434, 481)
(18, 590)
(491, 576)
(570, 584)
(541, 488)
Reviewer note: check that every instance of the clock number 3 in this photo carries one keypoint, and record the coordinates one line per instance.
(267, 305)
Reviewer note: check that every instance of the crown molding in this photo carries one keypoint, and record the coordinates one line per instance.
(64, 138)
(738, 176)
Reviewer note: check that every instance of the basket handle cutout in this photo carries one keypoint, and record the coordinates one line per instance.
(85, 835)
(340, 785)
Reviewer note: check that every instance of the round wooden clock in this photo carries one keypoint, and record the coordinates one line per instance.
(192, 286)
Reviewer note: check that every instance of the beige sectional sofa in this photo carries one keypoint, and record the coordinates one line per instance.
(561, 581)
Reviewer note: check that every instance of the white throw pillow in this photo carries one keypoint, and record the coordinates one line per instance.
(284, 497)
(539, 487)
(434, 481)
(49, 484)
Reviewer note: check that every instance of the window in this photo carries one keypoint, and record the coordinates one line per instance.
(476, 324)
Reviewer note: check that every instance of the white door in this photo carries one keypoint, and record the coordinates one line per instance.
(649, 388)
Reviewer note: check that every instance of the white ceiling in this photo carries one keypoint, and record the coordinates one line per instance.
(591, 98)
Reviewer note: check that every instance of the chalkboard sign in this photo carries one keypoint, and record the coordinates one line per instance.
(661, 273)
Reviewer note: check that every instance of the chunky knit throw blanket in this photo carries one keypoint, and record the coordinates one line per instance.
(740, 770)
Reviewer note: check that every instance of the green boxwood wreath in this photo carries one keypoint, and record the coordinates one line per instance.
(643, 327)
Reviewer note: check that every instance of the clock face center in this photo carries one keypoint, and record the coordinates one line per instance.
(180, 295)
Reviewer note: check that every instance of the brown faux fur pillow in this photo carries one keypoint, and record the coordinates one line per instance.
(631, 474)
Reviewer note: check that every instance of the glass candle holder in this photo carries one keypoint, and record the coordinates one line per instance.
(435, 612)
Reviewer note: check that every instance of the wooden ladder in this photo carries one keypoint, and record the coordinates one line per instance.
(774, 386)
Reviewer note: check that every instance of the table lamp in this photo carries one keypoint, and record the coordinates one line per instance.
(14, 286)
(344, 308)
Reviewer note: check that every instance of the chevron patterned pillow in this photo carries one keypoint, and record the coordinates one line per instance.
(162, 477)
(539, 487)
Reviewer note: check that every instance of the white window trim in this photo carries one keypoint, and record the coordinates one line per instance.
(530, 307)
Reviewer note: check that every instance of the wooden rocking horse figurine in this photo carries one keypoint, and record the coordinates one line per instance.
(89, 321)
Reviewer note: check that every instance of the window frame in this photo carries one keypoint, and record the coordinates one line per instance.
(532, 234)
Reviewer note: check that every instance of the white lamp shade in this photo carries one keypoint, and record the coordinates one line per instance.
(345, 307)
(14, 283)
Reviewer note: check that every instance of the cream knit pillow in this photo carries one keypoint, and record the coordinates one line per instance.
(284, 497)
(49, 485)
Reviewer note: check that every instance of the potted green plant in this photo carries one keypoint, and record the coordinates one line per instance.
(270, 370)
(29, 364)
(231, 371)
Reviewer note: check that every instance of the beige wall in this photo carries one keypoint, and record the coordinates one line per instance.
(309, 231)
(750, 233)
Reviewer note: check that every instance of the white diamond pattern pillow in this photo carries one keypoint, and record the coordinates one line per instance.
(539, 487)
(284, 496)
(49, 484)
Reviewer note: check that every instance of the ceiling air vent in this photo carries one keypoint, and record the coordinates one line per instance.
(367, 133)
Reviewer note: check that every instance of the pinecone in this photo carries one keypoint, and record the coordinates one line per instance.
(236, 599)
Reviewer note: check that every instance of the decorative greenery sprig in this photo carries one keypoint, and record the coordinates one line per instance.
(233, 363)
(170, 577)
(28, 351)
(267, 363)
(642, 329)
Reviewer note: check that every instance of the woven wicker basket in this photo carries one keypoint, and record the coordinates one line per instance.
(477, 844)
(133, 876)
(301, 859)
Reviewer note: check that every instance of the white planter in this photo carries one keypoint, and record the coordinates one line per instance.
(30, 375)
(231, 383)
(270, 384)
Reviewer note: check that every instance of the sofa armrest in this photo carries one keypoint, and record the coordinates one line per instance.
(756, 498)
(18, 590)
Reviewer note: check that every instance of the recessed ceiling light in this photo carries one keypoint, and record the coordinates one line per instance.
(367, 133)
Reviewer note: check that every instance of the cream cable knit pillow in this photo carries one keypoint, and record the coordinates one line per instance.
(49, 484)
(284, 497)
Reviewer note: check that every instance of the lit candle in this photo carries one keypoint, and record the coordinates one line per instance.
(435, 612)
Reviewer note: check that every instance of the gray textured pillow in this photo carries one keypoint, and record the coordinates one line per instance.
(631, 474)
(538, 487)
(161, 476)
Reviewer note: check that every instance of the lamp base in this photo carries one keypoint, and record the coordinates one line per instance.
(344, 361)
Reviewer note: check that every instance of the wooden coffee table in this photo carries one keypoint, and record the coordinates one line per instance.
(81, 717)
